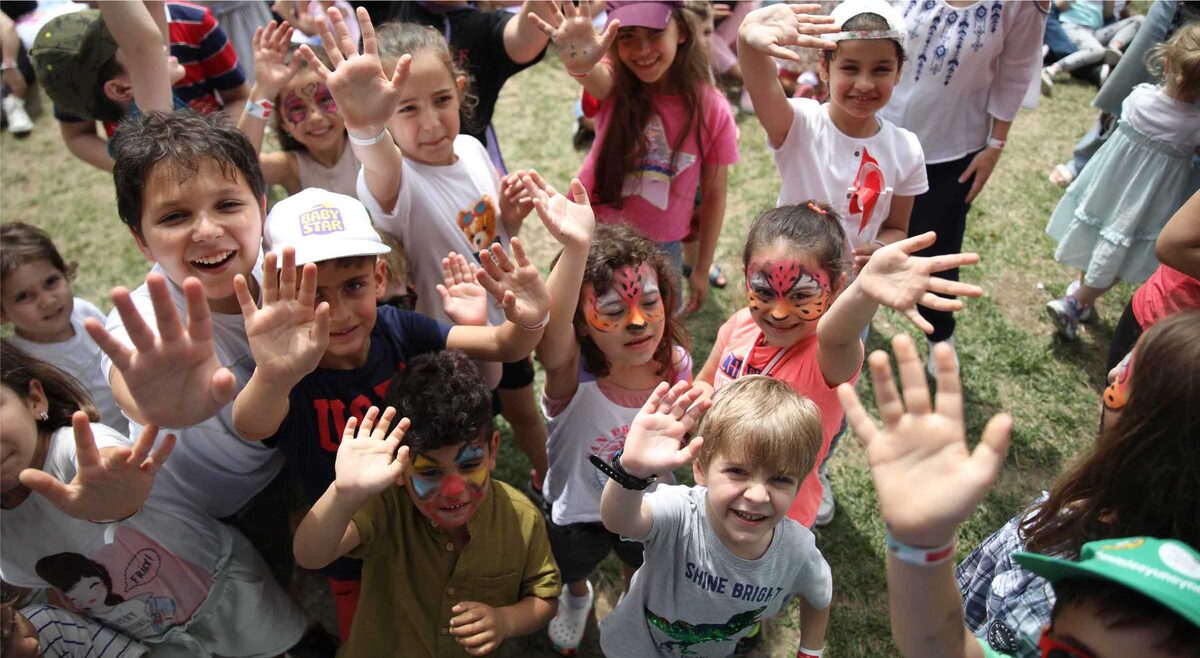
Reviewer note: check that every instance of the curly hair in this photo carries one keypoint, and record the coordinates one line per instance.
(21, 244)
(613, 247)
(396, 39)
(64, 395)
(1140, 476)
(444, 398)
(810, 228)
(1178, 60)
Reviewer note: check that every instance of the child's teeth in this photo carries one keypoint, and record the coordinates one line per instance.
(213, 260)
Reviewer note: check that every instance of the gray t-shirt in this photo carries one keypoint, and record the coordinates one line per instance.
(693, 597)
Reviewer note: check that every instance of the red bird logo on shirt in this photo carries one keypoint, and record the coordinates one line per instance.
(868, 185)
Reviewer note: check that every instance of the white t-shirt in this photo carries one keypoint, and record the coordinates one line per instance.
(79, 357)
(857, 176)
(441, 209)
(212, 466)
(693, 597)
(141, 576)
(1155, 114)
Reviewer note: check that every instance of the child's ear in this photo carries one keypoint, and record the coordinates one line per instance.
(381, 278)
(142, 247)
(493, 448)
(698, 473)
(823, 66)
(460, 83)
(119, 89)
(36, 400)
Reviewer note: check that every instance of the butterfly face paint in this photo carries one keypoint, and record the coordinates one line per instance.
(633, 301)
(448, 487)
(297, 103)
(785, 288)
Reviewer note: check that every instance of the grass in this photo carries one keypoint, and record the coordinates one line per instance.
(1010, 358)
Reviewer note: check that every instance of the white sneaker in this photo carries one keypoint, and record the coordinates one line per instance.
(566, 629)
(828, 505)
(929, 367)
(19, 122)
(1047, 82)
(1087, 313)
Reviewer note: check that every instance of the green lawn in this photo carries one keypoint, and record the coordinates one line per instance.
(1010, 358)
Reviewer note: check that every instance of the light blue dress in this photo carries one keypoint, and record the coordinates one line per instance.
(1108, 220)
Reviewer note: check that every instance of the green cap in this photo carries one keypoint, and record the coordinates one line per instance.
(1167, 571)
(68, 53)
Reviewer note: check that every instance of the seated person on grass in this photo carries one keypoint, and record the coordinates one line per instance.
(723, 556)
(326, 352)
(90, 71)
(454, 562)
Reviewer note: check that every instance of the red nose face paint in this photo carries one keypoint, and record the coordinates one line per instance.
(452, 487)
(633, 300)
(785, 287)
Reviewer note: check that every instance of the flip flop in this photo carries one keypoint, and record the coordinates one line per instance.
(715, 278)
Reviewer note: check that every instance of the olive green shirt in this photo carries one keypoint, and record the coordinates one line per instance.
(413, 574)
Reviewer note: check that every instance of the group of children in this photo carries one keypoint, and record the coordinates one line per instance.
(258, 338)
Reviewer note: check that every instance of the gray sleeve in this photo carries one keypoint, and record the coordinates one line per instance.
(814, 581)
(669, 504)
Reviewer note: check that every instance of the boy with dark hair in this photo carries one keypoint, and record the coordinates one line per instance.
(1124, 596)
(88, 74)
(321, 364)
(456, 562)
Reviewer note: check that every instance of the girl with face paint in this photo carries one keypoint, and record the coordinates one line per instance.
(613, 336)
(801, 327)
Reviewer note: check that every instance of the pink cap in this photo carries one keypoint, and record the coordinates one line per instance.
(651, 14)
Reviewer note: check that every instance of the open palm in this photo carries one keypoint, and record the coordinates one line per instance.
(580, 47)
(369, 463)
(570, 220)
(272, 70)
(655, 443)
(893, 277)
(289, 334)
(771, 29)
(463, 299)
(516, 282)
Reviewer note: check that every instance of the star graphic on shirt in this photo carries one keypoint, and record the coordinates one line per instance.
(652, 177)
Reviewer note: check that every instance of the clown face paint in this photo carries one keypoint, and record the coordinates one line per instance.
(632, 301)
(448, 484)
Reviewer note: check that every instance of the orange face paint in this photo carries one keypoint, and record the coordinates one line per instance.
(786, 288)
(633, 300)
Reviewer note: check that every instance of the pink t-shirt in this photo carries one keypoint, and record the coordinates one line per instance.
(797, 366)
(1164, 293)
(658, 197)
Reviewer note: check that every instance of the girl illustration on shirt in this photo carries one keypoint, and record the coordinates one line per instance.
(89, 588)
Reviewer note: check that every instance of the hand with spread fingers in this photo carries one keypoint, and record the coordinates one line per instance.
(580, 46)
(463, 298)
(570, 220)
(272, 70)
(369, 459)
(516, 282)
(772, 29)
(655, 443)
(289, 334)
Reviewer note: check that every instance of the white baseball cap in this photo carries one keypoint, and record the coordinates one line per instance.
(851, 8)
(322, 225)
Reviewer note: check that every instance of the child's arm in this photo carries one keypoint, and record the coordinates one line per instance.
(364, 467)
(366, 98)
(894, 229)
(82, 140)
(177, 363)
(927, 483)
(138, 34)
(712, 215)
(579, 46)
(463, 298)
(572, 223)
(520, 289)
(813, 622)
(523, 41)
(110, 483)
(480, 628)
(892, 278)
(1178, 244)
(654, 445)
(272, 72)
(287, 336)
(763, 35)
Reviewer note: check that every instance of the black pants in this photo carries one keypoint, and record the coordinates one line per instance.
(942, 209)
(1125, 336)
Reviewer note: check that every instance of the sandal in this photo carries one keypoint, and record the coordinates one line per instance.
(1062, 175)
(715, 278)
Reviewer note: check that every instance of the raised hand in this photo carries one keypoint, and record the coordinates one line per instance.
(580, 47)
(570, 220)
(174, 365)
(106, 487)
(518, 285)
(654, 444)
(463, 298)
(369, 463)
(515, 202)
(927, 480)
(272, 70)
(893, 277)
(289, 334)
(365, 95)
(478, 627)
(772, 29)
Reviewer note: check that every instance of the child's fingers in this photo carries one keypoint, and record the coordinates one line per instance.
(141, 447)
(59, 494)
(385, 422)
(368, 423)
(256, 40)
(336, 57)
(519, 253)
(546, 28)
(400, 428)
(270, 278)
(120, 355)
(159, 456)
(692, 450)
(367, 29)
(692, 418)
(887, 397)
(948, 287)
(199, 326)
(914, 316)
(856, 415)
(780, 52)
(912, 375)
(287, 275)
(579, 193)
(610, 35)
(348, 432)
(988, 457)
(447, 272)
(948, 401)
(502, 259)
(308, 285)
(916, 242)
(950, 261)
(655, 398)
(443, 293)
(321, 325)
(85, 444)
(341, 32)
(400, 464)
(165, 315)
(315, 64)
(222, 386)
(930, 300)
(242, 290)
(485, 277)
(400, 73)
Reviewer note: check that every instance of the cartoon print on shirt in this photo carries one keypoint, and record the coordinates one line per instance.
(954, 25)
(866, 189)
(478, 223)
(685, 634)
(651, 178)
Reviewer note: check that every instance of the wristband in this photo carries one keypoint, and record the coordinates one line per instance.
(994, 143)
(618, 474)
(921, 557)
(260, 109)
(810, 653)
(8, 65)
(368, 141)
(879, 243)
(540, 325)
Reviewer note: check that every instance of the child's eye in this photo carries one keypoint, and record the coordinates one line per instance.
(354, 286)
(428, 474)
(230, 204)
(23, 297)
(736, 471)
(53, 280)
(442, 100)
(171, 217)
(785, 480)
(406, 109)
(470, 466)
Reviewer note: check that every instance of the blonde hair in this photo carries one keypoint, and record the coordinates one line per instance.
(1178, 60)
(761, 421)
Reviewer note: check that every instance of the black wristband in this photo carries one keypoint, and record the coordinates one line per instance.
(618, 474)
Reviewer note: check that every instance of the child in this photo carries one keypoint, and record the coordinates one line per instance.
(319, 364)
(431, 187)
(1107, 222)
(1150, 438)
(800, 327)
(614, 335)
(841, 152)
(1122, 596)
(36, 298)
(663, 130)
(110, 544)
(721, 556)
(453, 561)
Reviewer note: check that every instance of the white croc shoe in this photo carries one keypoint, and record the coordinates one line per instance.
(566, 629)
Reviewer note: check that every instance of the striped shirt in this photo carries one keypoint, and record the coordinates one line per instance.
(63, 634)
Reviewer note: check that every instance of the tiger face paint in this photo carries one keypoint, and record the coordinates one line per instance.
(447, 485)
(632, 301)
(787, 289)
